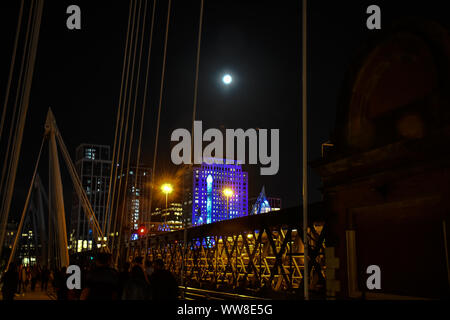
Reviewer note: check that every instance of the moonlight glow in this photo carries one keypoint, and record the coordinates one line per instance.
(227, 79)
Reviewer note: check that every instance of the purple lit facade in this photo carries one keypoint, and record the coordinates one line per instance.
(209, 203)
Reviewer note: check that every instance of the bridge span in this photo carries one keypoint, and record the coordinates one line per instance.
(257, 255)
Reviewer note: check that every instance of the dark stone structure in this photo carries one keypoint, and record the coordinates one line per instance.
(386, 181)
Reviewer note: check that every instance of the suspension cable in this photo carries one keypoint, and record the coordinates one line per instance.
(129, 94)
(86, 204)
(25, 208)
(163, 72)
(11, 68)
(142, 216)
(145, 95)
(197, 67)
(132, 122)
(107, 221)
(123, 186)
(194, 111)
(22, 116)
(118, 151)
(7, 162)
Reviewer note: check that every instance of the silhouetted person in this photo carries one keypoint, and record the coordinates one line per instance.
(45, 276)
(138, 261)
(27, 276)
(163, 284)
(61, 284)
(34, 277)
(124, 275)
(102, 283)
(23, 279)
(85, 269)
(10, 282)
(148, 268)
(136, 288)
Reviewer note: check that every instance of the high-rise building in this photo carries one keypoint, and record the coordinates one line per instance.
(187, 196)
(11, 230)
(210, 201)
(138, 196)
(170, 217)
(27, 250)
(93, 165)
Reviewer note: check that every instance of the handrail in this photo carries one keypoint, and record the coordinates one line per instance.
(211, 294)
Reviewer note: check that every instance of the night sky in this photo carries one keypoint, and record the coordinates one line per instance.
(78, 75)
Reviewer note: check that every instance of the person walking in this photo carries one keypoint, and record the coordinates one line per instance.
(102, 283)
(19, 285)
(28, 281)
(23, 280)
(124, 275)
(136, 287)
(45, 276)
(148, 268)
(60, 284)
(34, 277)
(10, 282)
(163, 284)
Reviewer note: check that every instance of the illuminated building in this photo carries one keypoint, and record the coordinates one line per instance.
(11, 229)
(93, 165)
(209, 202)
(263, 204)
(170, 219)
(138, 196)
(27, 246)
(187, 183)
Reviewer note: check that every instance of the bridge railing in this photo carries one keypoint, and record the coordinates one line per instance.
(253, 254)
(189, 293)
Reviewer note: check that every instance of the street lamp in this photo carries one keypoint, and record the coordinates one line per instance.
(228, 192)
(166, 188)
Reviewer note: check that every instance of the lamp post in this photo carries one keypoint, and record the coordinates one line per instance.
(166, 188)
(228, 192)
(305, 150)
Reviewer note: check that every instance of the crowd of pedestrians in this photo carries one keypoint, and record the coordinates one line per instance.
(19, 279)
(134, 281)
(138, 280)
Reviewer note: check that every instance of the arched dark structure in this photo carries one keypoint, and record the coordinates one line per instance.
(387, 180)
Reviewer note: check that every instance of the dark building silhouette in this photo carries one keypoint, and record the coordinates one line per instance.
(387, 179)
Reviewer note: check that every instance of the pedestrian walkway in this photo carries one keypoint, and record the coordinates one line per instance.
(36, 295)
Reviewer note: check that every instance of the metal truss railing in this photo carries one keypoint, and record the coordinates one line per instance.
(246, 254)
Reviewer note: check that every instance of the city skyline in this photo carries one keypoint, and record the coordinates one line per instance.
(254, 94)
(287, 150)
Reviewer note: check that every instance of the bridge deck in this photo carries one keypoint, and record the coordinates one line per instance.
(256, 253)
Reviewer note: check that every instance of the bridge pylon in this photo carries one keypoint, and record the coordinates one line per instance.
(56, 201)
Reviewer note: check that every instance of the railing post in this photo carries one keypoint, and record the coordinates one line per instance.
(305, 150)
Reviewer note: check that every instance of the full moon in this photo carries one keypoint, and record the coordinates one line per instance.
(227, 79)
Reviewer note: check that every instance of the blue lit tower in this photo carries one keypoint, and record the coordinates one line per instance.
(209, 204)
